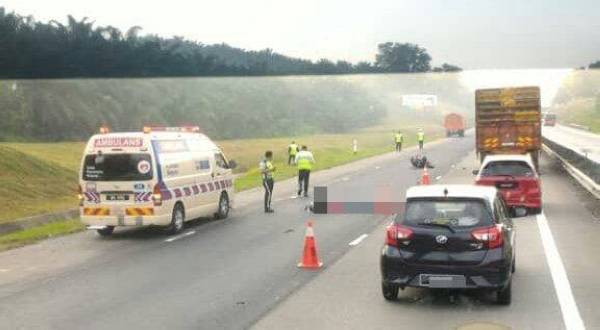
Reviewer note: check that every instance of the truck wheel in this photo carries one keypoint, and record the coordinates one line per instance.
(223, 210)
(389, 291)
(107, 231)
(177, 220)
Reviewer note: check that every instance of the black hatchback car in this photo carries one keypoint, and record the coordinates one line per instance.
(450, 237)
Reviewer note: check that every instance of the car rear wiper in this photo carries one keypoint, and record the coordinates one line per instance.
(433, 224)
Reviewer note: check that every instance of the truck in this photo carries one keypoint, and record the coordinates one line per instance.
(508, 121)
(454, 124)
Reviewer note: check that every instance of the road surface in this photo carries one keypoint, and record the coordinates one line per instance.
(241, 272)
(583, 142)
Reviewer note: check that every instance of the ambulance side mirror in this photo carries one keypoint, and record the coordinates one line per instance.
(232, 164)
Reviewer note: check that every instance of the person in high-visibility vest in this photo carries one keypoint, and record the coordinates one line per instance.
(420, 138)
(305, 161)
(398, 139)
(266, 170)
(292, 151)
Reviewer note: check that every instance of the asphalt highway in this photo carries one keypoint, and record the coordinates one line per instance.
(584, 142)
(241, 272)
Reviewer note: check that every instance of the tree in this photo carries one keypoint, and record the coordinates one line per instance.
(595, 65)
(447, 68)
(405, 57)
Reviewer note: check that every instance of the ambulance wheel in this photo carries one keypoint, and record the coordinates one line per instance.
(106, 231)
(223, 210)
(177, 220)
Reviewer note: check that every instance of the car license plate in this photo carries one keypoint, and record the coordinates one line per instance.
(443, 281)
(119, 197)
(506, 185)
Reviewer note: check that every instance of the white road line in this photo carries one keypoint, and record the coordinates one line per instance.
(438, 177)
(568, 306)
(345, 178)
(4, 270)
(358, 240)
(180, 236)
(377, 167)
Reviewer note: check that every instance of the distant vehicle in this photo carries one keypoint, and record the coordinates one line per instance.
(516, 178)
(550, 119)
(508, 121)
(454, 124)
(162, 176)
(450, 237)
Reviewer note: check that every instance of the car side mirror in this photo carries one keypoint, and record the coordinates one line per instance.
(519, 212)
(475, 172)
(232, 164)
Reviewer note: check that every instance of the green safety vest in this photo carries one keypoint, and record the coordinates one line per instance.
(293, 149)
(399, 138)
(304, 163)
(267, 169)
(420, 136)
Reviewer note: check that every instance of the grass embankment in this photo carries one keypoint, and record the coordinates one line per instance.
(585, 112)
(32, 235)
(31, 184)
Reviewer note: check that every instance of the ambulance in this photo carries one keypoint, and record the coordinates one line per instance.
(162, 176)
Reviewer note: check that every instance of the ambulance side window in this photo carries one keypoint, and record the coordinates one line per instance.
(202, 165)
(220, 161)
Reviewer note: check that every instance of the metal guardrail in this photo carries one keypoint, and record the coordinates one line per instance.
(587, 166)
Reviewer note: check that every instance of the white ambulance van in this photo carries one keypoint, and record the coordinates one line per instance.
(162, 176)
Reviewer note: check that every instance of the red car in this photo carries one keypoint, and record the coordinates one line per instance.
(516, 178)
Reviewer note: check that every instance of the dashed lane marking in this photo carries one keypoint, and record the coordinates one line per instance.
(180, 236)
(358, 240)
(568, 306)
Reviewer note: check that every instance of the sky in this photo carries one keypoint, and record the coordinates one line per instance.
(474, 34)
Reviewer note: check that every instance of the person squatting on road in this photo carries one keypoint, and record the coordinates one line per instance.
(420, 138)
(292, 151)
(304, 160)
(266, 169)
(398, 139)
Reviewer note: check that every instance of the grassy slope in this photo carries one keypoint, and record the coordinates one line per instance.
(30, 185)
(578, 99)
(35, 234)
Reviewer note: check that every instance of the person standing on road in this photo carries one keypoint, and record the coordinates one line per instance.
(266, 170)
(421, 138)
(292, 151)
(305, 160)
(398, 139)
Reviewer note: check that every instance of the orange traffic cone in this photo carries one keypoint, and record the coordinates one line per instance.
(309, 257)
(425, 176)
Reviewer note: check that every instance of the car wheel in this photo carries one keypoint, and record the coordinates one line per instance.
(177, 220)
(504, 295)
(106, 231)
(514, 264)
(223, 210)
(390, 291)
(535, 210)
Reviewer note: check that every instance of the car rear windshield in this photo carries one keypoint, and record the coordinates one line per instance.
(512, 168)
(447, 212)
(117, 167)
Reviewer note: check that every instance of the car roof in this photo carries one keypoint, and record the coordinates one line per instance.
(454, 191)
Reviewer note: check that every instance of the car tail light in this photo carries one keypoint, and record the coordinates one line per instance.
(80, 195)
(491, 236)
(397, 233)
(156, 195)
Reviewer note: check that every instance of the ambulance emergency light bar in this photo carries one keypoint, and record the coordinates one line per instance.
(321, 205)
(180, 129)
